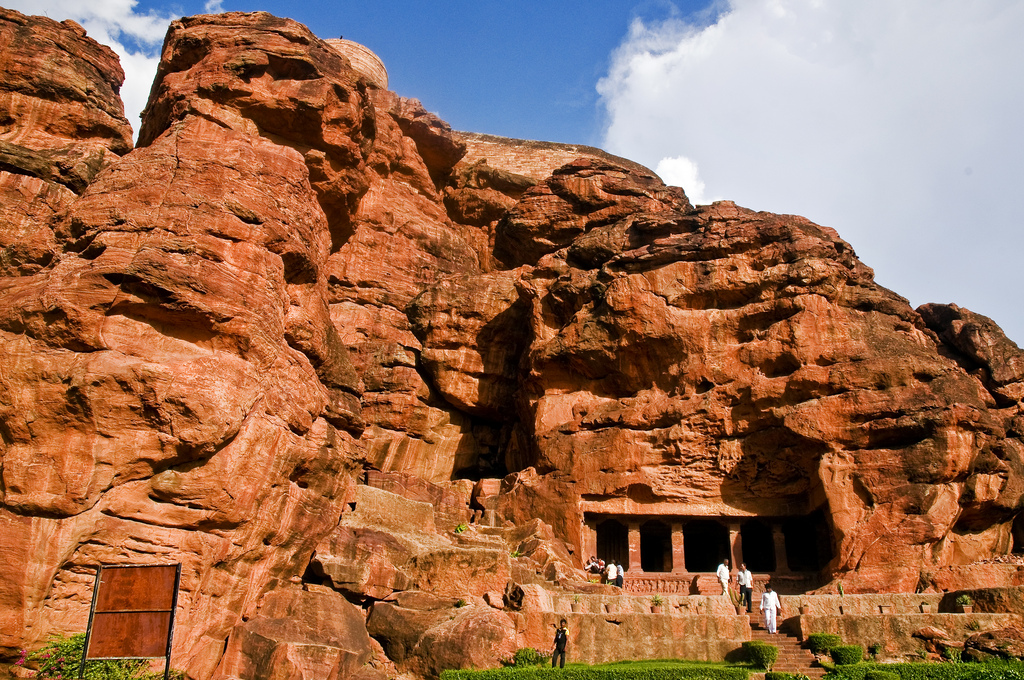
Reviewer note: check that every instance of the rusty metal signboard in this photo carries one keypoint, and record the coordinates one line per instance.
(132, 614)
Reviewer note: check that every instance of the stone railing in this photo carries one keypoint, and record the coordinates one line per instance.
(668, 583)
(682, 583)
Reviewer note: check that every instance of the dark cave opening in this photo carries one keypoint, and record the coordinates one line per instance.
(655, 546)
(705, 544)
(758, 546)
(613, 542)
(808, 542)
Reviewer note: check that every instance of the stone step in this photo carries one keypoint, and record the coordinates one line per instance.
(793, 658)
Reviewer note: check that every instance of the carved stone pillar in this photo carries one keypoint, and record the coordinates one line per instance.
(589, 547)
(781, 563)
(678, 554)
(634, 547)
(735, 545)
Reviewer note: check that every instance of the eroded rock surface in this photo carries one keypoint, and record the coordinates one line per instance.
(350, 377)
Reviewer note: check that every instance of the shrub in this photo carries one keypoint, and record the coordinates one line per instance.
(527, 656)
(881, 675)
(776, 675)
(874, 648)
(762, 654)
(61, 656)
(952, 653)
(820, 643)
(657, 600)
(845, 655)
(964, 600)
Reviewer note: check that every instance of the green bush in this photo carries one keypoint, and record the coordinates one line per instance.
(528, 656)
(61, 656)
(820, 643)
(761, 654)
(881, 675)
(776, 675)
(845, 655)
(679, 671)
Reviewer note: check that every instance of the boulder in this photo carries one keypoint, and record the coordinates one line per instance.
(298, 635)
(1004, 643)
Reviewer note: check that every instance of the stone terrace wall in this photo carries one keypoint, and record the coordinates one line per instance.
(895, 632)
(601, 638)
(532, 158)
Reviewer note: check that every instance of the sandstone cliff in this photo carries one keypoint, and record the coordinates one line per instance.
(296, 336)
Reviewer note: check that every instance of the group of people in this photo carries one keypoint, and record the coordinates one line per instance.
(613, 574)
(771, 605)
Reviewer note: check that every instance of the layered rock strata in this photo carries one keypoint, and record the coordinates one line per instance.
(296, 337)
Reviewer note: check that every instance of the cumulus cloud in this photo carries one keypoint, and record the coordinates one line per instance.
(680, 171)
(896, 123)
(135, 37)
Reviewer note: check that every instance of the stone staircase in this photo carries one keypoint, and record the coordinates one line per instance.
(793, 658)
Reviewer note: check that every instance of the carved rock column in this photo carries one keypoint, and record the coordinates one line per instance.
(735, 545)
(781, 563)
(634, 547)
(589, 547)
(678, 554)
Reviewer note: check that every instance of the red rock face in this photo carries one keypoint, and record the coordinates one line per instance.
(280, 340)
(61, 123)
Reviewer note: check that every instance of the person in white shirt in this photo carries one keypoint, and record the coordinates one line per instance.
(771, 606)
(723, 576)
(746, 581)
(611, 573)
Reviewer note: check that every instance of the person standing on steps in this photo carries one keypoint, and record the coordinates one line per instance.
(561, 640)
(620, 575)
(746, 581)
(724, 576)
(772, 607)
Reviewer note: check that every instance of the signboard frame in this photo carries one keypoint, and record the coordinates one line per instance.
(119, 609)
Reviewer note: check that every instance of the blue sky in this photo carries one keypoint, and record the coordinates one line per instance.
(896, 123)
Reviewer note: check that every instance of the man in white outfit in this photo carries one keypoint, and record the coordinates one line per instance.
(746, 582)
(611, 573)
(723, 576)
(771, 606)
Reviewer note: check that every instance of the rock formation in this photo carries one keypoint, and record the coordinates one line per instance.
(312, 344)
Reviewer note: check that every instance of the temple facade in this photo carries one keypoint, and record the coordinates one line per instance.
(680, 552)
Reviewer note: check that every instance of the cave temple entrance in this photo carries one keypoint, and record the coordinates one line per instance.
(679, 554)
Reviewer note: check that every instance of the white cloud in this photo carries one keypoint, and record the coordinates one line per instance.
(114, 23)
(680, 171)
(896, 123)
